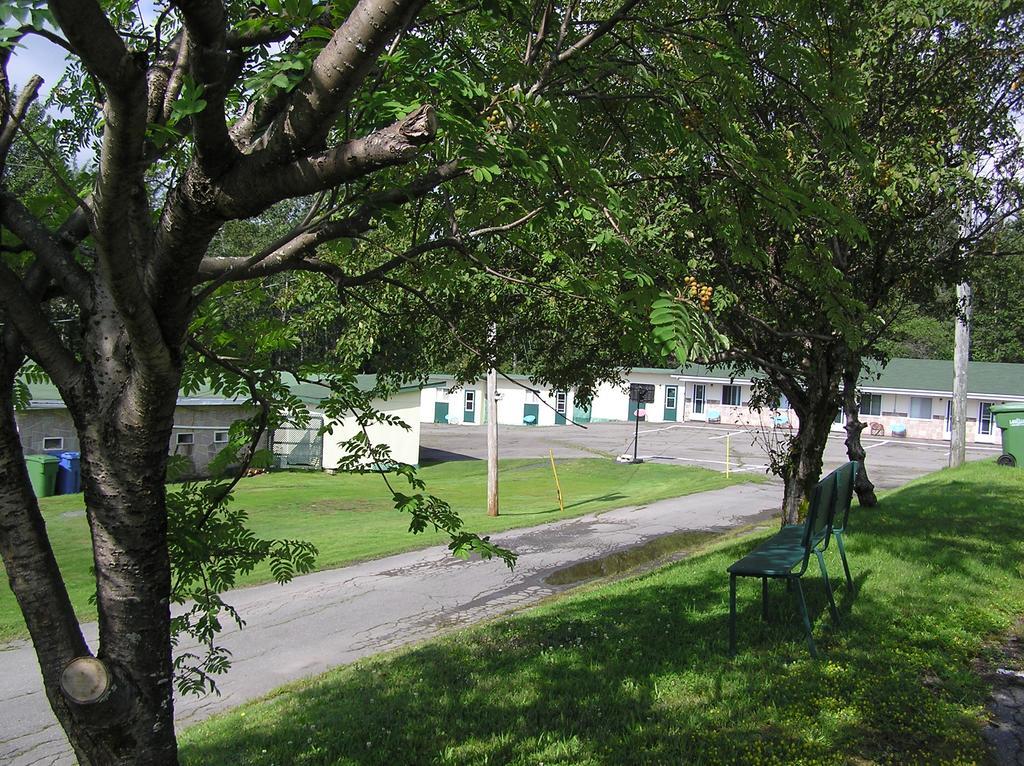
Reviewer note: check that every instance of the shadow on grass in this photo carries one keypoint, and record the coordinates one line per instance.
(607, 498)
(432, 456)
(638, 672)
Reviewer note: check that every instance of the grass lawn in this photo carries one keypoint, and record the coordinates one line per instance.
(636, 672)
(351, 517)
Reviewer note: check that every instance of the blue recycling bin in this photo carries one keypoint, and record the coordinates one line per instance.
(69, 473)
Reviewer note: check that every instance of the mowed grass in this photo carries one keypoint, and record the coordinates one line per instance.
(351, 517)
(637, 672)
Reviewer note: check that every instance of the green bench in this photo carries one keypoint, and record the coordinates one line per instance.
(786, 555)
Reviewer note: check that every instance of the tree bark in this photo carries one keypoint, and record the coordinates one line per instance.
(124, 432)
(854, 426)
(124, 460)
(32, 571)
(961, 355)
(803, 467)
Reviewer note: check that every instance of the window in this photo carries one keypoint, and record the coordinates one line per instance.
(985, 418)
(560, 402)
(470, 401)
(183, 439)
(220, 437)
(921, 407)
(870, 404)
(53, 442)
(839, 417)
(731, 395)
(671, 393)
(783, 402)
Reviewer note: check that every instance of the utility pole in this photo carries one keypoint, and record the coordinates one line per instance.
(492, 438)
(961, 354)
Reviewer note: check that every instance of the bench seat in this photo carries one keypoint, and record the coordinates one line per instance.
(775, 557)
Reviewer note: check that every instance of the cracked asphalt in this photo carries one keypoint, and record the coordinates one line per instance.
(331, 618)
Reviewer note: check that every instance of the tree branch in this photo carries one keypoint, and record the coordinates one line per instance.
(59, 263)
(11, 122)
(100, 47)
(37, 334)
(394, 145)
(208, 58)
(297, 243)
(335, 75)
(600, 31)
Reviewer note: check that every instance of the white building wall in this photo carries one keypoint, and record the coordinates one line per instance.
(405, 445)
(610, 403)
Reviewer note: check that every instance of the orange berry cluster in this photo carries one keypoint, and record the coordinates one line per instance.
(701, 292)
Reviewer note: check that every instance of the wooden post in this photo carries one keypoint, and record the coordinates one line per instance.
(558, 487)
(961, 355)
(492, 442)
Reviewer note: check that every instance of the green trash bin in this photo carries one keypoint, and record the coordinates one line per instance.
(42, 472)
(1010, 419)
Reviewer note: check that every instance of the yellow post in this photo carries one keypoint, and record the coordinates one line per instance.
(558, 487)
(727, 440)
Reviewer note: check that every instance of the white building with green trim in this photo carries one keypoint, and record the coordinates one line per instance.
(203, 419)
(909, 397)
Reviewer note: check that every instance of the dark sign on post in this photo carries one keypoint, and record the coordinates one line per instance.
(641, 393)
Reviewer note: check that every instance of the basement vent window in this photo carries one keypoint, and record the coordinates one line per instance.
(53, 442)
(183, 439)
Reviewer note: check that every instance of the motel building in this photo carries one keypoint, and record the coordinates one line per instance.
(910, 398)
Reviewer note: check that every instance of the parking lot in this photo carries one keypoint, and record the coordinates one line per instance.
(890, 461)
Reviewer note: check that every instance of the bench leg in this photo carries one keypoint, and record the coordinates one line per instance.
(732, 615)
(842, 555)
(764, 599)
(828, 586)
(806, 619)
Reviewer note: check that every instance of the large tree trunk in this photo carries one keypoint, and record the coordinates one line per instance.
(123, 472)
(123, 433)
(854, 426)
(32, 570)
(803, 467)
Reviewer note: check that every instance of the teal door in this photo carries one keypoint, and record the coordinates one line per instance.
(531, 412)
(561, 402)
(581, 414)
(469, 408)
(671, 403)
(440, 412)
(634, 405)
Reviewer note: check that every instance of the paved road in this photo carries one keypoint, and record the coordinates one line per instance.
(891, 462)
(330, 618)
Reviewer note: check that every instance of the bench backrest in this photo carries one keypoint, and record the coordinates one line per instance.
(846, 478)
(818, 527)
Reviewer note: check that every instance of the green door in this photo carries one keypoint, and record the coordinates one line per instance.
(581, 414)
(561, 405)
(671, 403)
(440, 412)
(531, 412)
(469, 407)
(634, 405)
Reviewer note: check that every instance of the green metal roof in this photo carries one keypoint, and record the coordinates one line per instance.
(993, 378)
(313, 393)
(47, 395)
(926, 375)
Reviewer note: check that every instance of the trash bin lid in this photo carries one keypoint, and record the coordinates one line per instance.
(999, 409)
(71, 455)
(42, 459)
